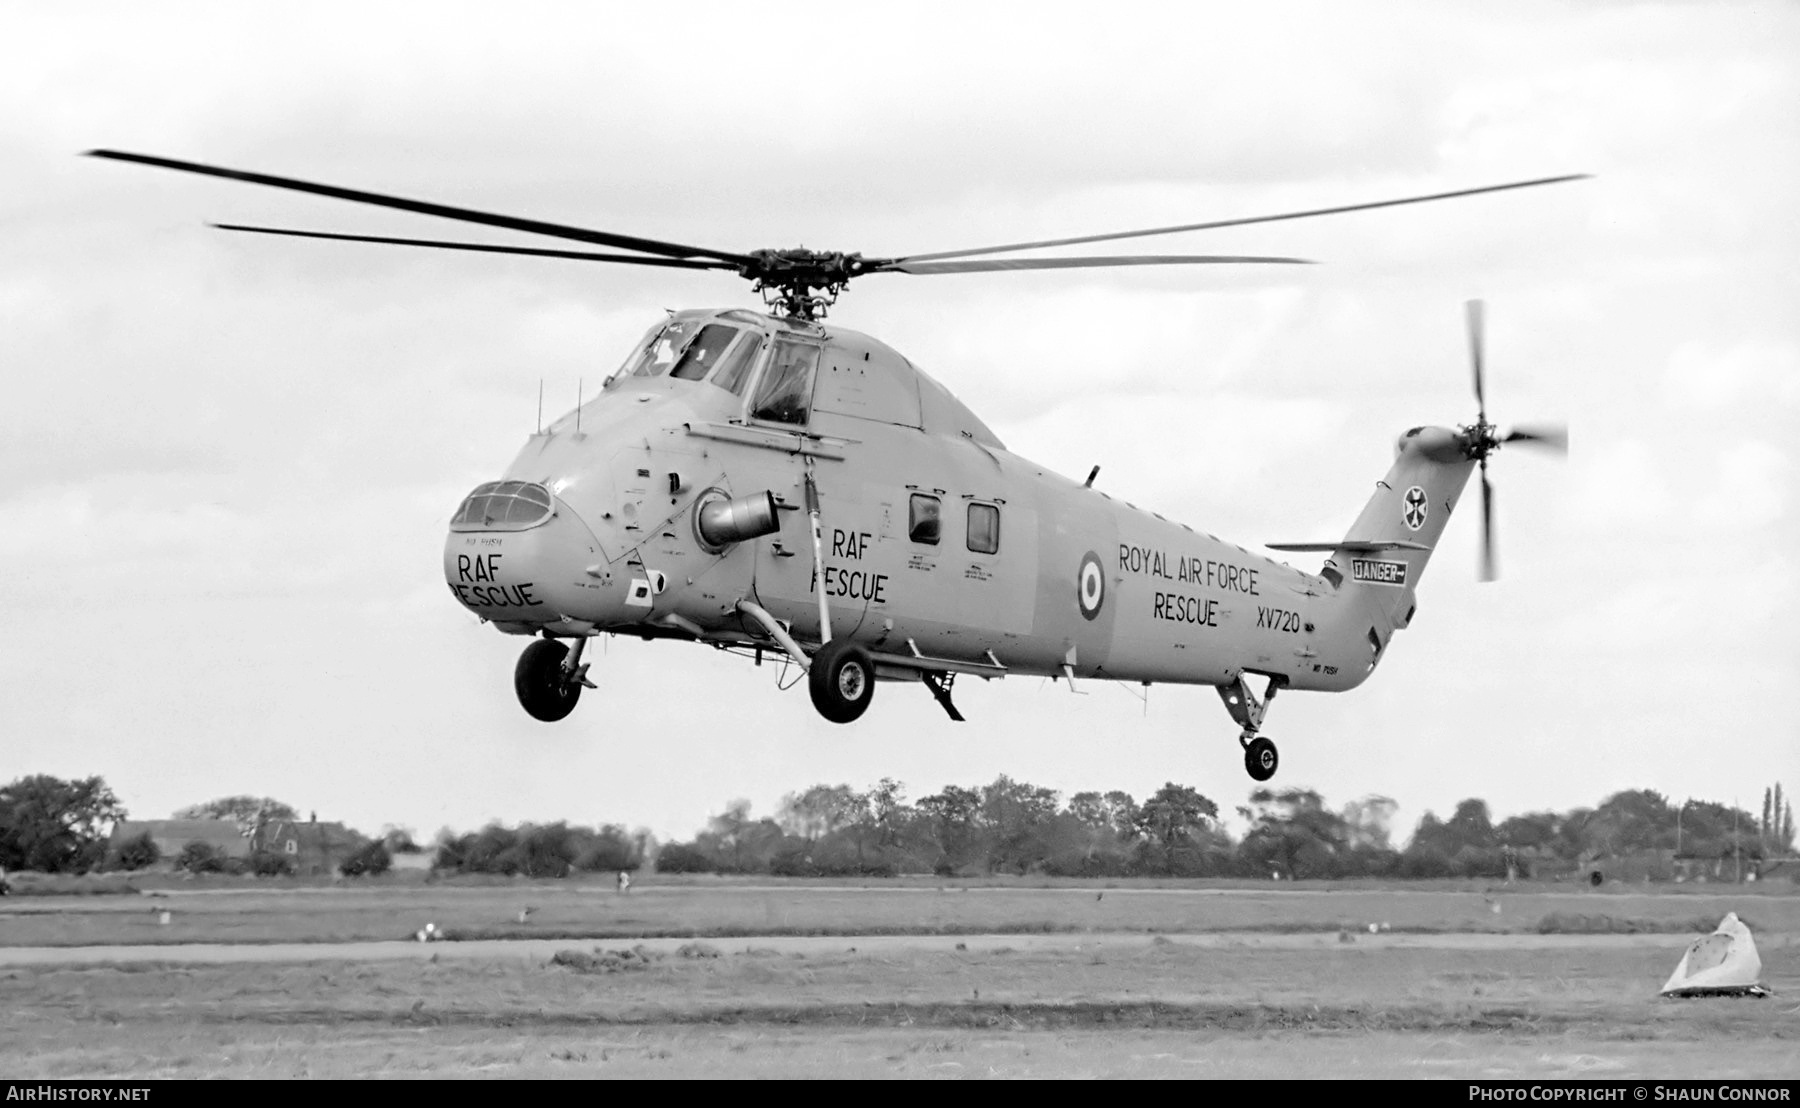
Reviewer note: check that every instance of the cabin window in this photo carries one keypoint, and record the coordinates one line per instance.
(923, 519)
(785, 394)
(658, 351)
(704, 352)
(984, 528)
(293, 847)
(734, 370)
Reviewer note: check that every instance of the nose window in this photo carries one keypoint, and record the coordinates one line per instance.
(503, 506)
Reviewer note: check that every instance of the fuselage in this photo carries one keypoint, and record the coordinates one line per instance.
(938, 543)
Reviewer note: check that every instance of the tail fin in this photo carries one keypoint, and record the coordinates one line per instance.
(1393, 538)
(1378, 564)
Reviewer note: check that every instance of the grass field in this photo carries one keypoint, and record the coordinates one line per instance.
(1062, 982)
(249, 912)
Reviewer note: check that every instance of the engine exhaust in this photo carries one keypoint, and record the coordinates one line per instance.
(719, 522)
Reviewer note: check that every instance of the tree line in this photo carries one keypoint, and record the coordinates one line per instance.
(1006, 826)
(1011, 826)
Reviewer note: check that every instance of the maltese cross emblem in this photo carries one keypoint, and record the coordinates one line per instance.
(1416, 508)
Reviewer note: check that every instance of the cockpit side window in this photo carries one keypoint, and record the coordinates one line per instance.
(703, 353)
(659, 350)
(734, 370)
(785, 393)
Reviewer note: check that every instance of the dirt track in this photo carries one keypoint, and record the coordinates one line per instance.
(543, 949)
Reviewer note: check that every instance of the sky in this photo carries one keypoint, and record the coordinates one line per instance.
(227, 462)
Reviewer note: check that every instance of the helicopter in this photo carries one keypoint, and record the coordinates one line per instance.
(766, 484)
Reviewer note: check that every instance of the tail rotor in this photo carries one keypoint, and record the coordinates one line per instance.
(1482, 438)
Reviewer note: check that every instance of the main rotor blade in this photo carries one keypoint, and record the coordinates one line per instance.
(442, 211)
(904, 265)
(482, 248)
(1551, 436)
(1488, 573)
(1475, 343)
(1242, 222)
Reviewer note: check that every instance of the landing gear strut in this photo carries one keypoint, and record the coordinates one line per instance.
(1260, 755)
(549, 679)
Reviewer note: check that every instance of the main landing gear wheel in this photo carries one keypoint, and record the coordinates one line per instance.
(544, 686)
(1260, 758)
(841, 680)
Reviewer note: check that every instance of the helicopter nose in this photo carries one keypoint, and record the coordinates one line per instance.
(496, 576)
(515, 555)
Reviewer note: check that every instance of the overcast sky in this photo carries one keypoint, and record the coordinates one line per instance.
(228, 461)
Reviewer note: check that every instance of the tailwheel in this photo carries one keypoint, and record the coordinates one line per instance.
(841, 680)
(546, 687)
(1260, 758)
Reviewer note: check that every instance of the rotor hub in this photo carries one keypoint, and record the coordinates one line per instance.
(1479, 439)
(802, 283)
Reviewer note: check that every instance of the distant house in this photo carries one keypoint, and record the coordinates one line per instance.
(1779, 868)
(313, 847)
(171, 835)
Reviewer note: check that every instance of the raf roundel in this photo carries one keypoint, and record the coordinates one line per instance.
(1090, 586)
(1416, 508)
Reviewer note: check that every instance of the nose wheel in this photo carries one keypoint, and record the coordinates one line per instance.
(549, 679)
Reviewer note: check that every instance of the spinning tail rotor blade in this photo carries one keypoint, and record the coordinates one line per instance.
(442, 211)
(1488, 572)
(482, 248)
(1475, 314)
(1550, 436)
